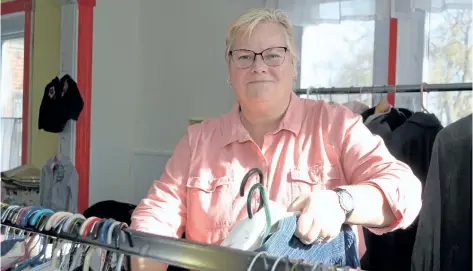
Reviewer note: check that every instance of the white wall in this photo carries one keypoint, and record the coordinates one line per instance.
(156, 64)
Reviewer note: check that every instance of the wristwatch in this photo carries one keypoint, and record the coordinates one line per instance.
(346, 201)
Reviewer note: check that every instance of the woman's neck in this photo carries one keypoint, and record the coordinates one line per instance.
(260, 121)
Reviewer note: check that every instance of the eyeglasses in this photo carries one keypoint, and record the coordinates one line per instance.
(244, 59)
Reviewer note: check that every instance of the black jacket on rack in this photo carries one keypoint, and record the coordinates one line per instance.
(443, 240)
(409, 137)
(61, 102)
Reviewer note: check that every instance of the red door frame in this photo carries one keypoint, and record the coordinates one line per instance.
(84, 82)
(392, 59)
(25, 6)
(85, 35)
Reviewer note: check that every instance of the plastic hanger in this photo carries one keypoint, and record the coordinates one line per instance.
(247, 176)
(275, 265)
(422, 98)
(88, 259)
(314, 268)
(361, 95)
(295, 266)
(254, 259)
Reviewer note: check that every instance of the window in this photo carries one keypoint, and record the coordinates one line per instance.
(11, 101)
(338, 55)
(448, 59)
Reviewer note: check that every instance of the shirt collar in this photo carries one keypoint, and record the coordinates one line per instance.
(292, 121)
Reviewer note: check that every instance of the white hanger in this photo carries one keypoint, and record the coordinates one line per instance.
(422, 98)
(275, 265)
(87, 259)
(250, 233)
(314, 268)
(255, 258)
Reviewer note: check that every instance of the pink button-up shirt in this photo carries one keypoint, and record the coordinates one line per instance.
(317, 146)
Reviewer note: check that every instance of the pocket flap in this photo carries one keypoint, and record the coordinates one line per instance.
(315, 174)
(330, 172)
(208, 184)
(304, 175)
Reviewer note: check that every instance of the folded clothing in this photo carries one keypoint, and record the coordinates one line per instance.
(341, 251)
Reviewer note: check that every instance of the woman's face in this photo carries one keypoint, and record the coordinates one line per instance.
(261, 84)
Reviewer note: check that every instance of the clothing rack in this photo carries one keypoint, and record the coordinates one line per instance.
(387, 89)
(183, 253)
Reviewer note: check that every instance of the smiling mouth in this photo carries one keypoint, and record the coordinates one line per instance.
(260, 81)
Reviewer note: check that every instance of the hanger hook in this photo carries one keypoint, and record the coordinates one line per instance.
(265, 201)
(247, 176)
(422, 86)
(245, 181)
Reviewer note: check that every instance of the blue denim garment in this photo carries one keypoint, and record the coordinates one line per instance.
(8, 244)
(341, 251)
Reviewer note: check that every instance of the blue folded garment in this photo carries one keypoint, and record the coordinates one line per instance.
(341, 251)
(8, 244)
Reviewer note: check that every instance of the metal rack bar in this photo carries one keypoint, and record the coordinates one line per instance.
(185, 254)
(387, 89)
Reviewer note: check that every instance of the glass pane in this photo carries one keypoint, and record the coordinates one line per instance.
(448, 59)
(11, 102)
(338, 55)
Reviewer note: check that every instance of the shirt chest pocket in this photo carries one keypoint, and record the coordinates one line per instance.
(210, 202)
(311, 178)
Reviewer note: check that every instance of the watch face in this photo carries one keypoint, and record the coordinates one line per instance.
(346, 201)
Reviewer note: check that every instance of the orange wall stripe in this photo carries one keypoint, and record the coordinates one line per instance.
(26, 87)
(392, 58)
(84, 82)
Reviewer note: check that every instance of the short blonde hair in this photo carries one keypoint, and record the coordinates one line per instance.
(254, 16)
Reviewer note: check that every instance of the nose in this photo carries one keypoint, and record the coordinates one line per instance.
(259, 66)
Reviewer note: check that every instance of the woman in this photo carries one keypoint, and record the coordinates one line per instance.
(317, 158)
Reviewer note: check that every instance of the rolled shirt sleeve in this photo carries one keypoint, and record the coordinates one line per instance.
(163, 211)
(366, 160)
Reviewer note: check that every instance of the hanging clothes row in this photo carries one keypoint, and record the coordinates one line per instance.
(70, 242)
(443, 240)
(409, 137)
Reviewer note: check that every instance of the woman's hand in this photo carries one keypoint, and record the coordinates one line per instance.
(321, 216)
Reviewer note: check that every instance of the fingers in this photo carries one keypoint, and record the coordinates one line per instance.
(314, 225)
(308, 229)
(298, 204)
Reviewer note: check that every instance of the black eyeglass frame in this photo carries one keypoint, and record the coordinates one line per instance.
(286, 49)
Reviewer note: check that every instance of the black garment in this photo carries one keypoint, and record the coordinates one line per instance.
(410, 142)
(61, 102)
(119, 211)
(443, 240)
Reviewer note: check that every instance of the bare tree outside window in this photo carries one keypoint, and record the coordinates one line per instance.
(338, 55)
(448, 59)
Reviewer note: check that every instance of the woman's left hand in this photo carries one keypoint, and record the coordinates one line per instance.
(321, 216)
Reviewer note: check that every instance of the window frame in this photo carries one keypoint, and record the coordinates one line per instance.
(383, 68)
(26, 6)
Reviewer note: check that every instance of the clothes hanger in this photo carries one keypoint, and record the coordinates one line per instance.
(265, 206)
(295, 266)
(314, 268)
(247, 176)
(72, 221)
(361, 95)
(383, 106)
(112, 234)
(262, 253)
(275, 265)
(422, 98)
(88, 258)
